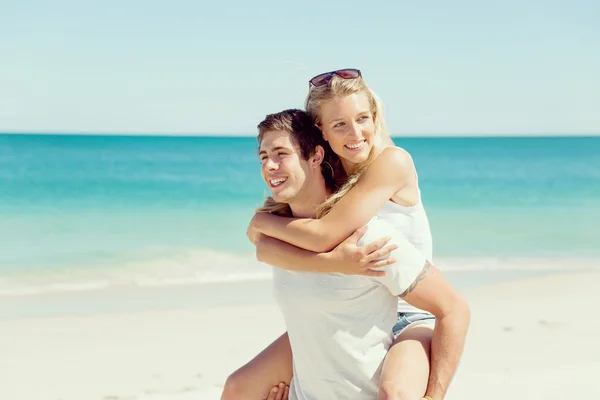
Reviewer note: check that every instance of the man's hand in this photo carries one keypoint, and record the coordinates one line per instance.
(349, 258)
(279, 392)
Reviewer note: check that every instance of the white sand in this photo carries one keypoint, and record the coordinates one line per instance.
(531, 339)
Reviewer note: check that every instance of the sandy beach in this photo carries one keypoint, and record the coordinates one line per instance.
(530, 339)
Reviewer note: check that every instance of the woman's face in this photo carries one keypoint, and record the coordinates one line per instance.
(349, 127)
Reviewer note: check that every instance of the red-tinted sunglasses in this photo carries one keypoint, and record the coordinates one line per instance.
(323, 79)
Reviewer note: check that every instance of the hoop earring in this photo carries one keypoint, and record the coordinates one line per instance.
(330, 167)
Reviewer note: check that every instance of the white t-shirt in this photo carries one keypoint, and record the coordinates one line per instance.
(340, 326)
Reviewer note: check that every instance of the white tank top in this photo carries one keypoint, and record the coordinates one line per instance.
(413, 223)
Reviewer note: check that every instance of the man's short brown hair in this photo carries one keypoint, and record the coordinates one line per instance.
(299, 125)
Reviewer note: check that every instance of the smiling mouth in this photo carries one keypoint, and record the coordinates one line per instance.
(276, 182)
(356, 146)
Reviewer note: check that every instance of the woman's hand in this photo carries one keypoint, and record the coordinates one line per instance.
(350, 258)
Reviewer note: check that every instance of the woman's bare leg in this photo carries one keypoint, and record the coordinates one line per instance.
(406, 366)
(255, 380)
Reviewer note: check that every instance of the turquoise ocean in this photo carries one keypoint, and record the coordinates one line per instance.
(90, 212)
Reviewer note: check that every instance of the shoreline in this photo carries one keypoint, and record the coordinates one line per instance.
(204, 267)
(127, 299)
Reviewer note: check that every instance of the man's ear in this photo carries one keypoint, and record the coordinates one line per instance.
(318, 155)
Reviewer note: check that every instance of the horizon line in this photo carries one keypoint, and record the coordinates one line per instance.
(248, 135)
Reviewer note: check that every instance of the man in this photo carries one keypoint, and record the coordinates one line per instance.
(339, 326)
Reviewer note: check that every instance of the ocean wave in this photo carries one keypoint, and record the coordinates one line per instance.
(198, 266)
(516, 263)
(156, 268)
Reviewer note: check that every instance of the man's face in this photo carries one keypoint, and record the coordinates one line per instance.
(282, 167)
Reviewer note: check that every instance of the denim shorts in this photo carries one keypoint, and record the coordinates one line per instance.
(408, 318)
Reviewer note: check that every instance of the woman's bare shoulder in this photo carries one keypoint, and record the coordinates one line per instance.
(393, 158)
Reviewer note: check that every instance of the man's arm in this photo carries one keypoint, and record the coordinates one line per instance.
(431, 292)
(422, 285)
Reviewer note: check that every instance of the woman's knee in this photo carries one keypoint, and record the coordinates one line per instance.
(406, 367)
(392, 390)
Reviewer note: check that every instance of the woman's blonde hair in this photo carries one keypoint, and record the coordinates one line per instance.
(276, 208)
(339, 87)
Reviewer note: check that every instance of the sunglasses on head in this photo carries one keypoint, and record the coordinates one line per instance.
(323, 79)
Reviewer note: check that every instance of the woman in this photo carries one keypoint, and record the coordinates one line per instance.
(381, 180)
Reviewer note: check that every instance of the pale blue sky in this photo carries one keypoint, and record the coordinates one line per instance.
(197, 67)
